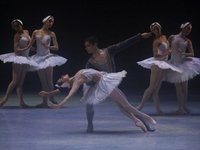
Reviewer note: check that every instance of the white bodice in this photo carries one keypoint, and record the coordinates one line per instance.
(182, 44)
(41, 50)
(162, 48)
(23, 42)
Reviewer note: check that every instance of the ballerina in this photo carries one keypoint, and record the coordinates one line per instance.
(186, 62)
(105, 87)
(46, 60)
(20, 59)
(157, 64)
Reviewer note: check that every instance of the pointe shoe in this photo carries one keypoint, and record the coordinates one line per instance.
(148, 126)
(187, 110)
(139, 123)
(178, 112)
(23, 105)
(3, 101)
(160, 113)
(149, 119)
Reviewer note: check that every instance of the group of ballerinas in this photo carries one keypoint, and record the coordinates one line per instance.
(42, 62)
(179, 69)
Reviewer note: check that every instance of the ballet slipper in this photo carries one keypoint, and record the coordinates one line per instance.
(42, 105)
(139, 123)
(178, 112)
(149, 119)
(3, 101)
(187, 110)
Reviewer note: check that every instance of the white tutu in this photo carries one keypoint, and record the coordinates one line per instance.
(101, 89)
(50, 60)
(12, 57)
(147, 63)
(43, 57)
(190, 67)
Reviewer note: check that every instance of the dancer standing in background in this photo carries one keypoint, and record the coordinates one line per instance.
(46, 60)
(157, 64)
(186, 62)
(20, 59)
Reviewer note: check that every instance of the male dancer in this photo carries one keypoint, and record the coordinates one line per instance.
(103, 60)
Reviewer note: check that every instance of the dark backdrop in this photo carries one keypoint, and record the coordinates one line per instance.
(110, 21)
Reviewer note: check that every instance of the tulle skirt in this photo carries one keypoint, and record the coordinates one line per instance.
(190, 67)
(101, 90)
(12, 57)
(147, 63)
(50, 60)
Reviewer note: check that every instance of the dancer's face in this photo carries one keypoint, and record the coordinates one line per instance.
(187, 29)
(50, 22)
(64, 78)
(90, 47)
(156, 29)
(17, 27)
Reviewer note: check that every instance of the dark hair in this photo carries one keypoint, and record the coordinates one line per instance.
(92, 40)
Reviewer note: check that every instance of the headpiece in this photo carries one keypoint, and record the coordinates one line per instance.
(155, 23)
(184, 25)
(17, 20)
(45, 19)
(64, 85)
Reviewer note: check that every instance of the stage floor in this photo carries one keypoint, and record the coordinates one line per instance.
(56, 129)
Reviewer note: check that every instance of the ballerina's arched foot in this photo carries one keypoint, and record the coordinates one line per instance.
(187, 110)
(23, 105)
(42, 105)
(3, 101)
(139, 123)
(149, 119)
(178, 112)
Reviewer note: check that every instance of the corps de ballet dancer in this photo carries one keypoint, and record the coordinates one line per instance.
(46, 60)
(105, 87)
(186, 62)
(20, 61)
(157, 64)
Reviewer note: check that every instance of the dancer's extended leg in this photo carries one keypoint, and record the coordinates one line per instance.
(119, 98)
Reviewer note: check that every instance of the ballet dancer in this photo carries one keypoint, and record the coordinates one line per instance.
(103, 88)
(157, 64)
(103, 60)
(20, 60)
(46, 60)
(186, 62)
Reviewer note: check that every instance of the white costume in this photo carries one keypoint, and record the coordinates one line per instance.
(161, 62)
(101, 89)
(20, 58)
(190, 66)
(43, 57)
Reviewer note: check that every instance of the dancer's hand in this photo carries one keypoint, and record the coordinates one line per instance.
(146, 35)
(55, 106)
(44, 44)
(96, 77)
(179, 50)
(44, 93)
